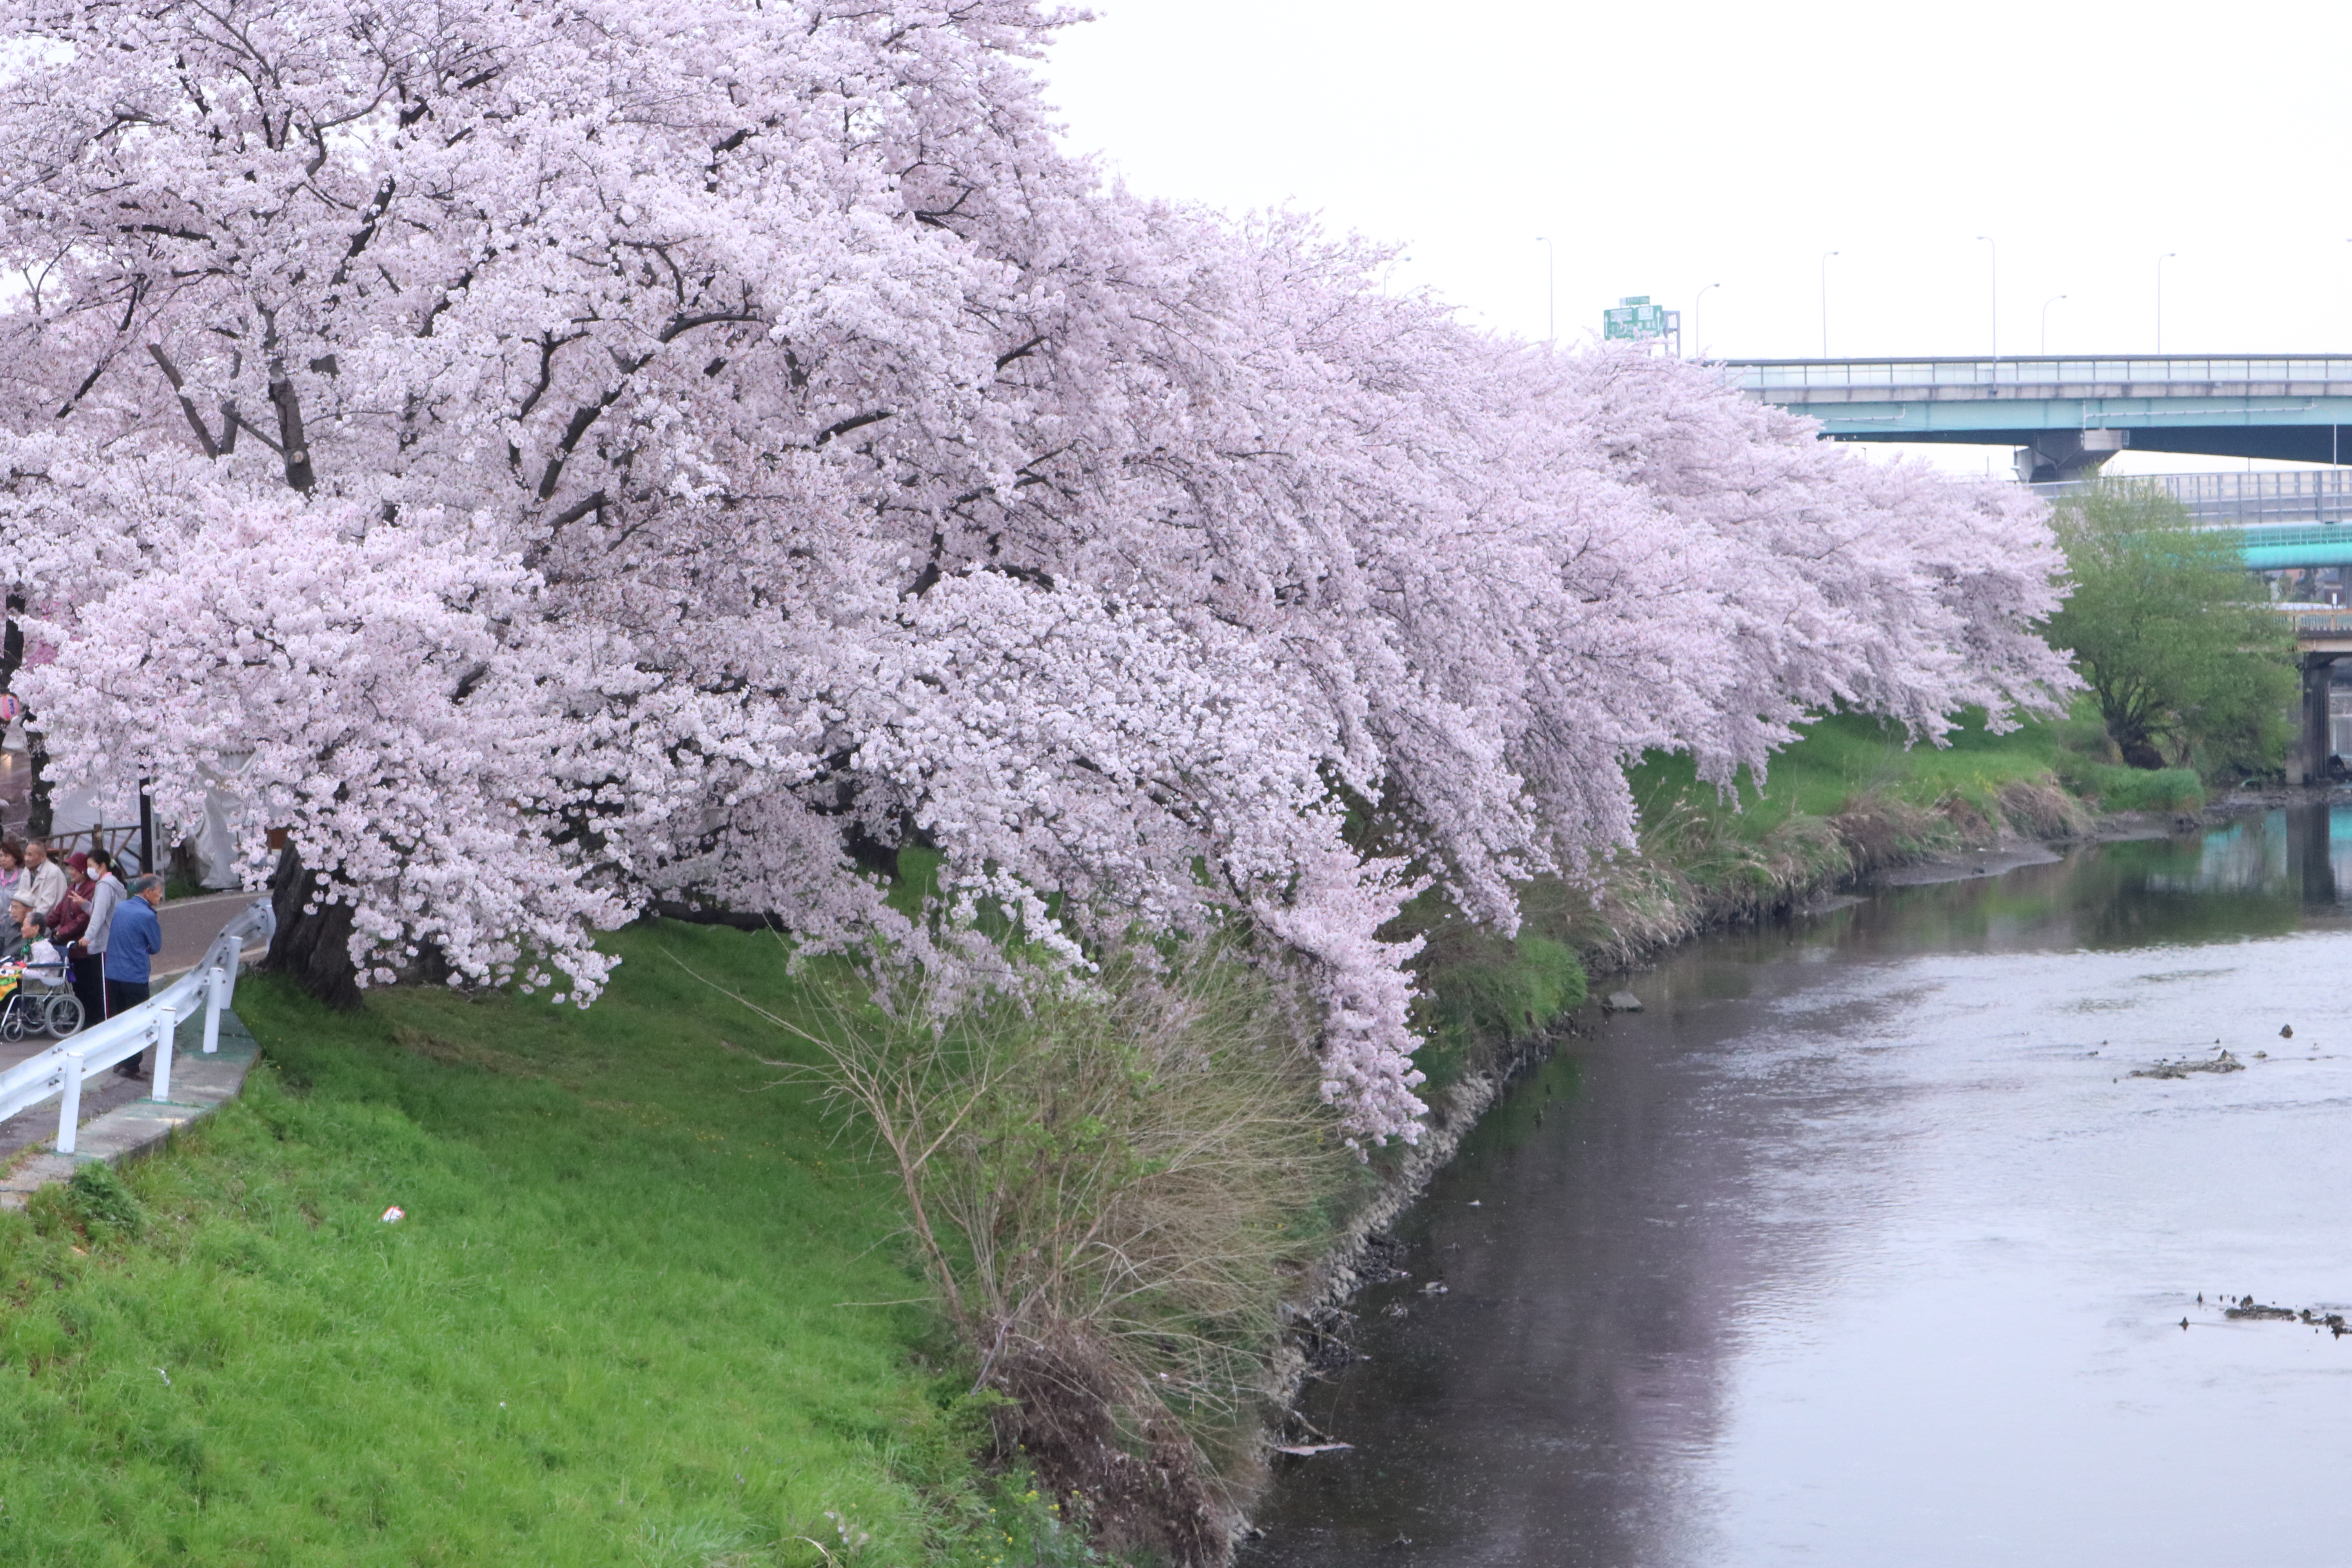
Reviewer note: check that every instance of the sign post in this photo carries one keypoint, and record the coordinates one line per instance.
(1634, 319)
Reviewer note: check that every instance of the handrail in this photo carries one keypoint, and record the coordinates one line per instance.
(64, 1067)
(2042, 369)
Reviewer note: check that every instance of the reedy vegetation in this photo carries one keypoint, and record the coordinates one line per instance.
(1113, 1189)
(550, 457)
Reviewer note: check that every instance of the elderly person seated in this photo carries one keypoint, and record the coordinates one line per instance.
(34, 949)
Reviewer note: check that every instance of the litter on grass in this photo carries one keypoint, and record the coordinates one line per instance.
(395, 1214)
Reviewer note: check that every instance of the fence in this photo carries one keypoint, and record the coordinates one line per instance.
(2322, 496)
(61, 1070)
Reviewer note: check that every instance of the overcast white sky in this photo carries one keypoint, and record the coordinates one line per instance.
(1665, 147)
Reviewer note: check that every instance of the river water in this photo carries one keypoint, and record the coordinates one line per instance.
(1859, 1246)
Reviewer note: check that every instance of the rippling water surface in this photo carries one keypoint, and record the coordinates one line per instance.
(1859, 1247)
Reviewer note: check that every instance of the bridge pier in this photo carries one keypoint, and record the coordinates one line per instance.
(2065, 456)
(2307, 763)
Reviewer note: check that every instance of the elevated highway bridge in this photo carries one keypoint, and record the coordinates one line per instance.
(2067, 415)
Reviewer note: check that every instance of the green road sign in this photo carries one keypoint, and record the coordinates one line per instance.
(1635, 317)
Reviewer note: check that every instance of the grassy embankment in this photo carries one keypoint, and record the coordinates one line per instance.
(625, 1320)
(630, 1319)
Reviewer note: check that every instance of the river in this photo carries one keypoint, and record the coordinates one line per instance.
(1858, 1246)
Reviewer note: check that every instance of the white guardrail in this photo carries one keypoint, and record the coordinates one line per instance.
(61, 1070)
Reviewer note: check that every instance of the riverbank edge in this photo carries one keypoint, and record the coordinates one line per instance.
(2042, 816)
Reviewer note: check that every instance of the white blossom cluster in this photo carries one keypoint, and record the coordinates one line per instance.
(554, 454)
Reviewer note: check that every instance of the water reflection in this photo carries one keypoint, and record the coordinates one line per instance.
(1856, 1246)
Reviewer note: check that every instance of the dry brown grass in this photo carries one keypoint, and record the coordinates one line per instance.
(1111, 1191)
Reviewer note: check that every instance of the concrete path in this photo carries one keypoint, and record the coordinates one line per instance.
(125, 1125)
(190, 925)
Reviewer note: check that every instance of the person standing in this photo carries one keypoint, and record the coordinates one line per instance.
(106, 896)
(105, 901)
(134, 936)
(69, 923)
(12, 871)
(45, 878)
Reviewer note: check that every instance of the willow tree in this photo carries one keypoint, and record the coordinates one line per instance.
(2172, 632)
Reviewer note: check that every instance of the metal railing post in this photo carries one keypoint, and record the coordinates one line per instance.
(70, 1111)
(166, 1028)
(214, 984)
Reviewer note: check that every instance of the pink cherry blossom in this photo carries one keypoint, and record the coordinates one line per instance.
(554, 456)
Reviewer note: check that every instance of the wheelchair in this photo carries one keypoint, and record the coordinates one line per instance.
(39, 1000)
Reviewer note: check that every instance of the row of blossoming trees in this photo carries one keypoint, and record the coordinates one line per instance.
(553, 455)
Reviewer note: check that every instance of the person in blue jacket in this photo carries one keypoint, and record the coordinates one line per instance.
(133, 938)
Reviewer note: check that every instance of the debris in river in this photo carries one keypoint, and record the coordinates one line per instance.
(1622, 1002)
(2167, 1067)
(1309, 1450)
(2246, 1308)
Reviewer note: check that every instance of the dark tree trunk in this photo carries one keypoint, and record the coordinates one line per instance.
(12, 659)
(40, 815)
(313, 948)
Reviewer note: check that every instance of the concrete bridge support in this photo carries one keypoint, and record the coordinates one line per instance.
(2307, 763)
(2063, 457)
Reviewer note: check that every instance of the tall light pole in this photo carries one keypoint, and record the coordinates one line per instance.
(2159, 298)
(1699, 341)
(1996, 294)
(2045, 321)
(1552, 291)
(1825, 302)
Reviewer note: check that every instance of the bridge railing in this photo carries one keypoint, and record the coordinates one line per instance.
(2204, 369)
(61, 1070)
(2289, 496)
(2318, 623)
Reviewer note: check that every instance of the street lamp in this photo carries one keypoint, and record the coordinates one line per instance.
(2159, 298)
(1825, 302)
(1552, 291)
(1699, 341)
(1996, 294)
(2045, 321)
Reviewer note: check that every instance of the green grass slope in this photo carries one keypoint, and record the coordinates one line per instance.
(628, 1318)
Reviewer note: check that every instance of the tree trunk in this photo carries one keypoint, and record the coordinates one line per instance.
(40, 814)
(312, 947)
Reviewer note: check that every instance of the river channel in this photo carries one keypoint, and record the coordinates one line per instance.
(1859, 1246)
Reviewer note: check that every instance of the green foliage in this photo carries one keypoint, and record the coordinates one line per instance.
(644, 1309)
(2138, 789)
(102, 1202)
(1480, 988)
(2174, 635)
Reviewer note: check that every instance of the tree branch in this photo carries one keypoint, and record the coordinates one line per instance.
(187, 405)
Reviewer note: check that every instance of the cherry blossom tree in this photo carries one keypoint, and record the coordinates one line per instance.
(550, 456)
